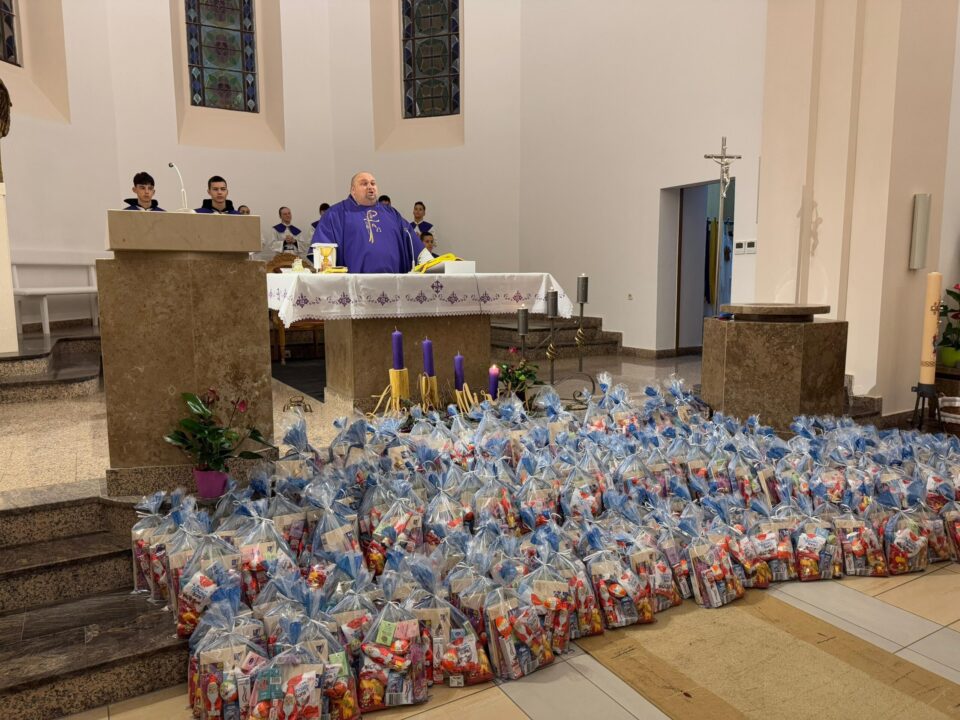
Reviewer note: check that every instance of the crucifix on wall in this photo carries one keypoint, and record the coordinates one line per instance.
(724, 161)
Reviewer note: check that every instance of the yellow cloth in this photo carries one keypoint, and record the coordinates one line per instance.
(439, 260)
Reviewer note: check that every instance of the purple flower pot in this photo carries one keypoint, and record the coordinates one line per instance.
(210, 483)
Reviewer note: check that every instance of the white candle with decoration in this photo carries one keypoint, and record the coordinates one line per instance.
(931, 323)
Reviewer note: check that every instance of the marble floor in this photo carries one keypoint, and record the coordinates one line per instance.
(64, 442)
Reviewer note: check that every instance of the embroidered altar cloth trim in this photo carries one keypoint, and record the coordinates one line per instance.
(308, 296)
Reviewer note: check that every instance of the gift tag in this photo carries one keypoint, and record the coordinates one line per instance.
(386, 632)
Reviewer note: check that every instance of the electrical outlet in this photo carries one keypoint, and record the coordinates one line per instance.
(629, 296)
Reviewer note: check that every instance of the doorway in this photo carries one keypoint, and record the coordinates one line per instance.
(701, 289)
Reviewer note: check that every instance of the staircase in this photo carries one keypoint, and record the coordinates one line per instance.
(597, 341)
(65, 366)
(72, 637)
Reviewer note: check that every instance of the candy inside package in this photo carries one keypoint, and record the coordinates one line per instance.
(752, 571)
(201, 587)
(392, 667)
(148, 512)
(934, 530)
(298, 684)
(455, 653)
(818, 551)
(861, 546)
(587, 619)
(714, 582)
(951, 522)
(772, 541)
(260, 546)
(548, 592)
(223, 665)
(401, 526)
(625, 599)
(341, 692)
(905, 544)
(517, 643)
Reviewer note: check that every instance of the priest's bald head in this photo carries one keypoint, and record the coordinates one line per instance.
(363, 188)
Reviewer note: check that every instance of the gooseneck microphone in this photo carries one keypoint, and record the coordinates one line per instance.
(183, 191)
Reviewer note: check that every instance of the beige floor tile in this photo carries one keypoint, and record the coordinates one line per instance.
(876, 585)
(928, 664)
(942, 646)
(99, 713)
(836, 621)
(489, 703)
(869, 613)
(935, 596)
(441, 697)
(560, 691)
(168, 704)
(953, 567)
(615, 688)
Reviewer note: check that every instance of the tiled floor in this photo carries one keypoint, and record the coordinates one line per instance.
(915, 616)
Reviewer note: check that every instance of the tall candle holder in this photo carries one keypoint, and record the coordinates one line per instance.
(580, 337)
(926, 388)
(523, 327)
(552, 312)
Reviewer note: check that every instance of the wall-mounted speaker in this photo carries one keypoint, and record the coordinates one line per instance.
(921, 228)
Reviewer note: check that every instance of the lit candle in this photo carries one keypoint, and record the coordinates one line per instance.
(582, 289)
(458, 371)
(523, 324)
(494, 387)
(428, 358)
(553, 304)
(397, 350)
(931, 323)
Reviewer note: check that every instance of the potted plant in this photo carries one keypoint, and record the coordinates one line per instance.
(950, 340)
(211, 442)
(518, 377)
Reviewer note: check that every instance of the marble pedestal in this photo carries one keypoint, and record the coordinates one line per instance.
(775, 361)
(181, 310)
(359, 354)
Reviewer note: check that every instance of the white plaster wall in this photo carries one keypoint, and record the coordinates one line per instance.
(471, 191)
(621, 99)
(949, 259)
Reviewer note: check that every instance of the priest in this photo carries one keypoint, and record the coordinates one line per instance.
(370, 238)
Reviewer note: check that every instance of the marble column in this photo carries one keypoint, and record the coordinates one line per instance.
(182, 309)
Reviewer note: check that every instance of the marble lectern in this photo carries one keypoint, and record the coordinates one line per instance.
(181, 310)
(774, 360)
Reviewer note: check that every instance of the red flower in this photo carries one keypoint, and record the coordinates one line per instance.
(957, 286)
(210, 396)
(955, 315)
(513, 351)
(240, 406)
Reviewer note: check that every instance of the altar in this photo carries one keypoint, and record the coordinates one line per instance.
(360, 312)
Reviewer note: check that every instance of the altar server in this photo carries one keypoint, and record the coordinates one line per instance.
(143, 187)
(323, 208)
(217, 202)
(419, 225)
(370, 238)
(287, 237)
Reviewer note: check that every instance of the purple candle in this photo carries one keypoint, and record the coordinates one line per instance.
(494, 388)
(428, 358)
(397, 350)
(458, 371)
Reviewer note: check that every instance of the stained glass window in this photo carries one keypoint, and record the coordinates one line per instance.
(430, 45)
(222, 54)
(10, 31)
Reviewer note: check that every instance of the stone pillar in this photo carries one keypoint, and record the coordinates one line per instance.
(855, 122)
(8, 314)
(182, 309)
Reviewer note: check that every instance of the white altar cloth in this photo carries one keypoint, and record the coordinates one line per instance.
(309, 296)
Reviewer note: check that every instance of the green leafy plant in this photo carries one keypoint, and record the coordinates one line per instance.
(210, 441)
(518, 377)
(951, 331)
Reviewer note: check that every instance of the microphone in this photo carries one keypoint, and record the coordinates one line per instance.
(185, 208)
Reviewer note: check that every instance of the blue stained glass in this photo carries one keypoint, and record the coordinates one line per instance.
(222, 54)
(9, 51)
(430, 56)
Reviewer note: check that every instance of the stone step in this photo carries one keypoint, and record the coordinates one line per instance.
(592, 347)
(22, 526)
(67, 568)
(38, 355)
(70, 375)
(63, 659)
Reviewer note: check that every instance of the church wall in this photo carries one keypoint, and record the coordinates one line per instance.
(470, 189)
(950, 232)
(619, 101)
(61, 176)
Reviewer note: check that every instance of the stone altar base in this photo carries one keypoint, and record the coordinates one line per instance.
(359, 355)
(777, 369)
